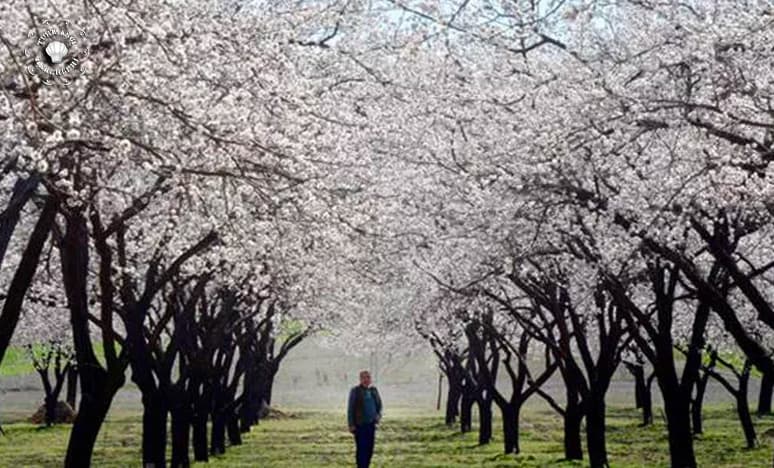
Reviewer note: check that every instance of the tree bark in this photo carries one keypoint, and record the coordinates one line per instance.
(647, 403)
(572, 427)
(249, 407)
(595, 431)
(485, 420)
(466, 414)
(218, 435)
(86, 427)
(452, 403)
(201, 452)
(232, 428)
(25, 272)
(72, 386)
(98, 385)
(23, 189)
(764, 397)
(154, 430)
(698, 403)
(181, 431)
(510, 414)
(743, 408)
(677, 408)
(50, 404)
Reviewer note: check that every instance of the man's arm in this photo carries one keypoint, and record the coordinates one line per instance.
(351, 409)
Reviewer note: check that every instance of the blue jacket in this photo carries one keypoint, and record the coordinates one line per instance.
(358, 412)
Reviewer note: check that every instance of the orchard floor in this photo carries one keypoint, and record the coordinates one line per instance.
(406, 439)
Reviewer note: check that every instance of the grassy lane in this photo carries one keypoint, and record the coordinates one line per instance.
(317, 439)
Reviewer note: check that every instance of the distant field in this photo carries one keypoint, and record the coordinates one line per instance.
(406, 439)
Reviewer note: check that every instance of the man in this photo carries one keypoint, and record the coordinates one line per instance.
(364, 411)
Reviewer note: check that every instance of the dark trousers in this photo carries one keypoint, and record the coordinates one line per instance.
(365, 434)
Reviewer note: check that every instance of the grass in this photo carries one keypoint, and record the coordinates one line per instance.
(15, 362)
(406, 439)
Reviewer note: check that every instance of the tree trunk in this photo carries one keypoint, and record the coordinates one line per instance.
(25, 272)
(642, 396)
(23, 189)
(50, 403)
(595, 431)
(466, 414)
(485, 421)
(764, 397)
(698, 403)
(269, 389)
(232, 428)
(440, 392)
(98, 386)
(638, 372)
(510, 413)
(248, 409)
(154, 431)
(181, 430)
(218, 435)
(88, 421)
(677, 408)
(72, 386)
(647, 405)
(200, 438)
(572, 428)
(743, 408)
(452, 404)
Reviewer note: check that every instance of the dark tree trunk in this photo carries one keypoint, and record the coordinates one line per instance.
(743, 408)
(510, 413)
(269, 389)
(50, 403)
(677, 408)
(638, 372)
(642, 396)
(25, 272)
(647, 405)
(154, 431)
(595, 431)
(218, 435)
(22, 191)
(466, 414)
(181, 430)
(72, 386)
(452, 404)
(697, 405)
(248, 409)
(485, 421)
(764, 397)
(572, 427)
(232, 428)
(98, 386)
(200, 438)
(83, 436)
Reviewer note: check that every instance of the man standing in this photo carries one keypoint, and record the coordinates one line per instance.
(364, 411)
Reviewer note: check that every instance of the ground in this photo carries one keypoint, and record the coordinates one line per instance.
(406, 439)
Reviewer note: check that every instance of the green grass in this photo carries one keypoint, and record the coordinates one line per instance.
(15, 362)
(406, 439)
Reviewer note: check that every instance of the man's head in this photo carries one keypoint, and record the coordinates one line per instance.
(365, 378)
